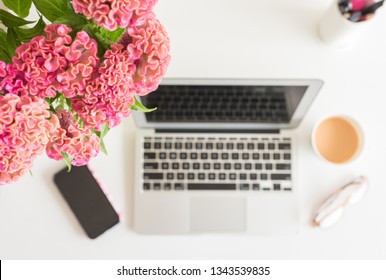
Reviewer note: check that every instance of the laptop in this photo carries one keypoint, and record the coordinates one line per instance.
(218, 155)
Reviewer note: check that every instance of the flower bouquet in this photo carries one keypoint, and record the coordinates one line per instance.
(64, 84)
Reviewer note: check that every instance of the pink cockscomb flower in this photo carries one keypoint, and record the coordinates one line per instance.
(112, 14)
(82, 61)
(149, 46)
(108, 98)
(53, 63)
(3, 73)
(70, 138)
(24, 133)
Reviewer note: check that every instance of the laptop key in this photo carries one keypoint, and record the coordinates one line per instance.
(224, 156)
(153, 176)
(222, 176)
(206, 166)
(232, 176)
(247, 166)
(229, 146)
(150, 165)
(276, 187)
(165, 165)
(180, 176)
(201, 176)
(245, 156)
(162, 155)
(170, 176)
(251, 146)
(209, 146)
(219, 146)
(175, 165)
(157, 145)
(167, 186)
(276, 156)
(266, 156)
(172, 155)
(157, 186)
(281, 177)
(243, 176)
(284, 146)
(191, 176)
(237, 166)
(168, 145)
(211, 186)
(198, 146)
(271, 146)
(287, 156)
(256, 156)
(146, 186)
(146, 145)
(227, 166)
(264, 176)
(244, 187)
(235, 156)
(261, 146)
(214, 156)
(149, 155)
(240, 146)
(196, 165)
(256, 187)
(212, 176)
(217, 166)
(193, 156)
(186, 165)
(178, 186)
(268, 166)
(283, 166)
(204, 155)
(183, 155)
(178, 146)
(258, 166)
(253, 176)
(188, 145)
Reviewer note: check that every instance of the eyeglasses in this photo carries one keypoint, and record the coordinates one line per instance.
(332, 208)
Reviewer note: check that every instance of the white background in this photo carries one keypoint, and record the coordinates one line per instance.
(231, 39)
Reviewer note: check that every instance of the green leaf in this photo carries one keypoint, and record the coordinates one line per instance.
(52, 9)
(105, 130)
(67, 160)
(20, 7)
(103, 148)
(138, 106)
(13, 43)
(112, 36)
(24, 34)
(9, 20)
(5, 55)
(75, 21)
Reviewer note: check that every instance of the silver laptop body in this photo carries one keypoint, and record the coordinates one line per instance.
(220, 156)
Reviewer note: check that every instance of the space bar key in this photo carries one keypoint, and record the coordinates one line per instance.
(208, 186)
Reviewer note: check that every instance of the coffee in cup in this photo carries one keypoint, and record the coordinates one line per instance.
(337, 139)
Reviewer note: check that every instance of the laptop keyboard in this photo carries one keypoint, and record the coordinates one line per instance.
(216, 163)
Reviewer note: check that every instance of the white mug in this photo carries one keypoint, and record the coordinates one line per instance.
(337, 31)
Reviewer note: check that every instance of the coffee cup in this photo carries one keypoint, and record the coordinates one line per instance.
(337, 139)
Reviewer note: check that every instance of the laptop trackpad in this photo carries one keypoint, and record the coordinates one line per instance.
(217, 214)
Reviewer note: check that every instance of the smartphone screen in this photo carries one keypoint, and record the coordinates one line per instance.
(86, 200)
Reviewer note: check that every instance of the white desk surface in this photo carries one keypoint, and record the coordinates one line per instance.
(235, 39)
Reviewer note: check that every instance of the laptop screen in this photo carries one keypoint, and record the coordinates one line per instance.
(224, 104)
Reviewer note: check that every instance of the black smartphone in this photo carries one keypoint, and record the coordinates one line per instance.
(87, 200)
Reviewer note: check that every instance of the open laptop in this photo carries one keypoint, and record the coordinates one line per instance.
(218, 156)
